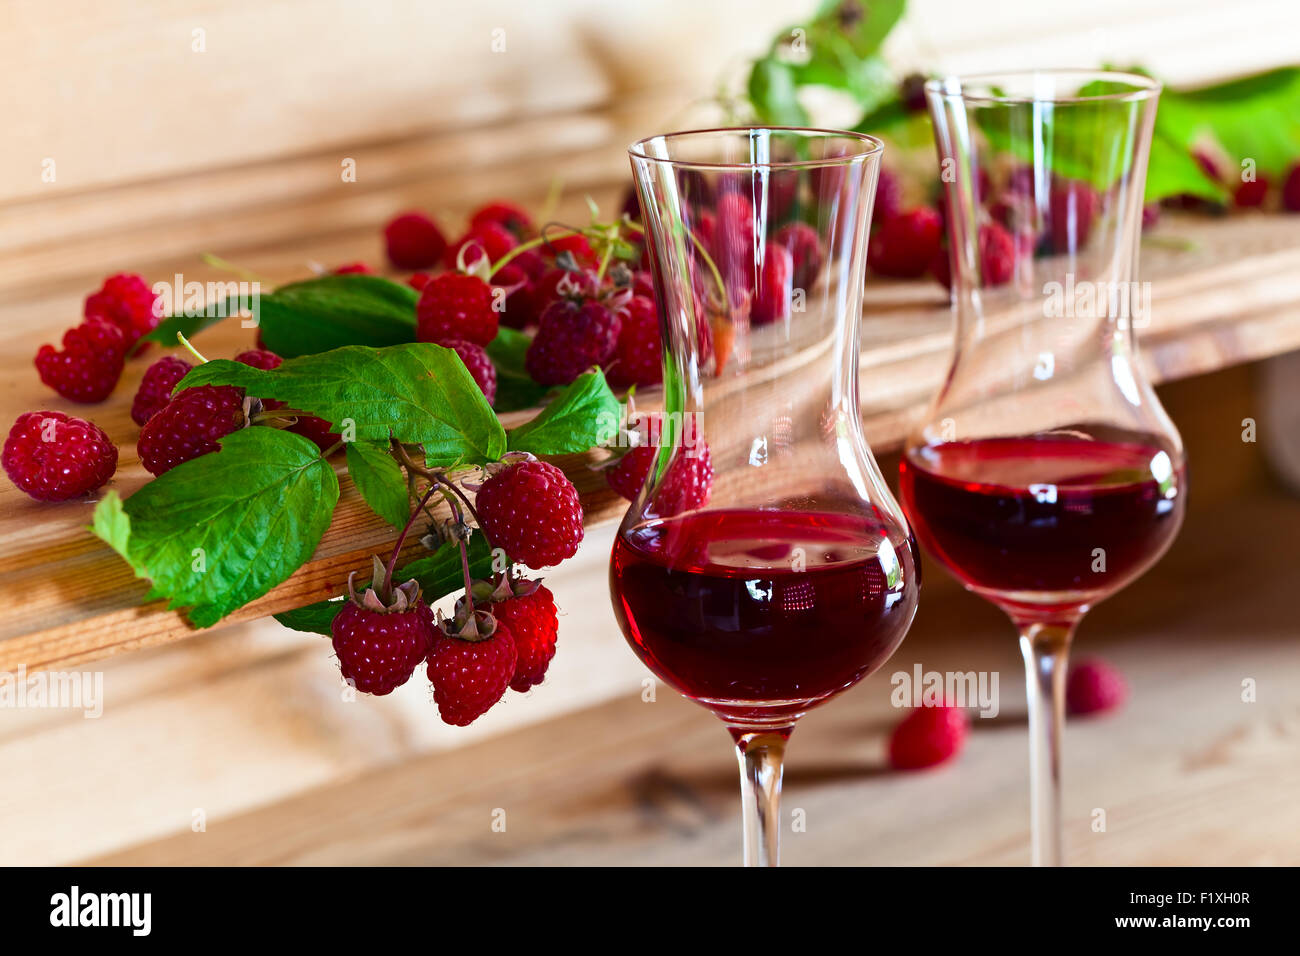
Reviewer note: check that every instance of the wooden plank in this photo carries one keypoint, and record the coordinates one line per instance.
(1223, 292)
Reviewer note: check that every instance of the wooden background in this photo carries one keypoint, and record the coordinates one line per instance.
(161, 152)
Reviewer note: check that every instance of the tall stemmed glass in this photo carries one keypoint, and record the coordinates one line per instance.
(764, 567)
(1045, 476)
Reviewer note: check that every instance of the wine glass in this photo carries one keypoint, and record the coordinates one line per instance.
(764, 567)
(1045, 476)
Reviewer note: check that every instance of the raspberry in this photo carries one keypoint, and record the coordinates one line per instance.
(927, 736)
(1150, 215)
(491, 239)
(912, 92)
(379, 646)
(1249, 195)
(941, 268)
(1093, 686)
(631, 204)
(190, 425)
(534, 623)
(805, 250)
(904, 247)
(354, 268)
(88, 367)
(577, 248)
(504, 214)
(156, 387)
(264, 359)
(733, 240)
(627, 477)
(571, 338)
(685, 486)
(889, 197)
(775, 285)
(414, 241)
(418, 280)
(1072, 207)
(532, 511)
(997, 255)
(479, 365)
(469, 677)
(53, 457)
(316, 430)
(127, 301)
(514, 284)
(1291, 190)
(638, 357)
(456, 306)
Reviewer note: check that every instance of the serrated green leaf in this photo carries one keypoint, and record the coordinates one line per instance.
(439, 574)
(421, 393)
(515, 387)
(380, 480)
(328, 312)
(582, 416)
(219, 531)
(111, 523)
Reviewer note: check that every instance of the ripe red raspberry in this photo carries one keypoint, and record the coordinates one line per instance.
(418, 280)
(190, 425)
(534, 623)
(1291, 190)
(1072, 207)
(575, 247)
(928, 736)
(354, 268)
(127, 301)
(627, 477)
(479, 365)
(491, 239)
(53, 457)
(90, 363)
(504, 214)
(806, 251)
(414, 241)
(1249, 195)
(456, 306)
(316, 430)
(638, 357)
(1093, 686)
(532, 511)
(469, 677)
(904, 246)
(571, 338)
(155, 389)
(775, 286)
(997, 255)
(685, 486)
(264, 359)
(514, 283)
(379, 646)
(733, 240)
(889, 197)
(941, 268)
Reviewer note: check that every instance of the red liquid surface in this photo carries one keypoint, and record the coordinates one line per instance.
(760, 614)
(1023, 519)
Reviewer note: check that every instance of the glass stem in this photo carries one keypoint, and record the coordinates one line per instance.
(1046, 649)
(760, 754)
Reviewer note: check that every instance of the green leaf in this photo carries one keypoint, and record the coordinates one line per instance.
(774, 94)
(863, 23)
(190, 324)
(419, 393)
(1173, 171)
(439, 574)
(219, 531)
(380, 480)
(327, 312)
(584, 415)
(515, 387)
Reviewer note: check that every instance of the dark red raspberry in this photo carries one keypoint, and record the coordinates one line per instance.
(1093, 686)
(418, 280)
(469, 677)
(316, 430)
(379, 647)
(479, 365)
(574, 247)
(414, 241)
(631, 204)
(155, 389)
(1150, 215)
(531, 510)
(456, 306)
(90, 363)
(190, 425)
(504, 214)
(775, 285)
(491, 239)
(534, 623)
(627, 477)
(571, 338)
(53, 457)
(127, 301)
(354, 268)
(912, 92)
(889, 197)
(638, 357)
(531, 262)
(928, 736)
(733, 241)
(1072, 207)
(1291, 190)
(1251, 194)
(997, 255)
(941, 268)
(513, 283)
(685, 486)
(904, 246)
(264, 359)
(806, 251)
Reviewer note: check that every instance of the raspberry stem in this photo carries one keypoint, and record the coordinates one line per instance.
(401, 539)
(185, 344)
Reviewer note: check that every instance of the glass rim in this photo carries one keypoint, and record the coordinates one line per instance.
(874, 147)
(1144, 87)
